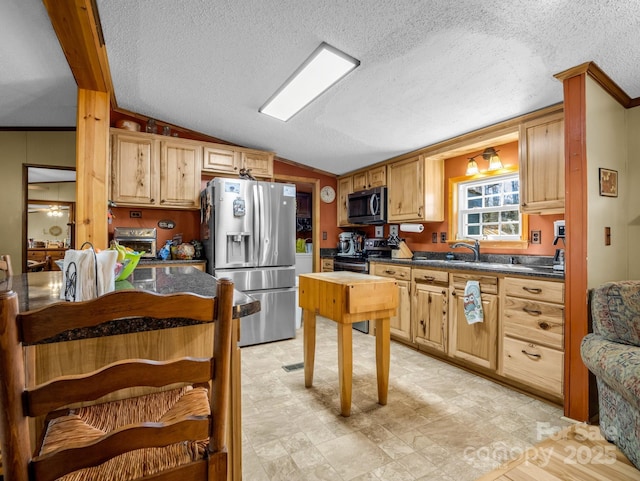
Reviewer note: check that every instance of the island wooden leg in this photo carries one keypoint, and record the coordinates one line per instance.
(345, 366)
(382, 358)
(309, 345)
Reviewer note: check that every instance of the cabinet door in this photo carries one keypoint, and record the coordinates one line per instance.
(430, 316)
(345, 187)
(416, 190)
(220, 160)
(134, 170)
(377, 176)
(360, 181)
(400, 325)
(180, 174)
(475, 343)
(259, 163)
(542, 165)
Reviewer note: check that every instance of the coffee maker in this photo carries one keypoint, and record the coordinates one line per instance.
(558, 234)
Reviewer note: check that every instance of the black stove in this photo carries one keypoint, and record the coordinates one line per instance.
(373, 248)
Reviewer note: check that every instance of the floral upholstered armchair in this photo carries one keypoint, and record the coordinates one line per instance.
(612, 353)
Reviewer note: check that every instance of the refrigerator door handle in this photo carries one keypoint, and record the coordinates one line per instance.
(257, 237)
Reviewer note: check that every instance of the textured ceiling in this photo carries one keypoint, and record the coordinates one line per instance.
(430, 70)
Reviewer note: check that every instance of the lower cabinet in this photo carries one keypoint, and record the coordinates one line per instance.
(475, 343)
(400, 325)
(533, 333)
(430, 308)
(519, 342)
(327, 265)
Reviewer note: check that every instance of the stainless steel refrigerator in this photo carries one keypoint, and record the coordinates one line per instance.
(248, 231)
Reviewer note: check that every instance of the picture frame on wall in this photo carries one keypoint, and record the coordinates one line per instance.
(608, 182)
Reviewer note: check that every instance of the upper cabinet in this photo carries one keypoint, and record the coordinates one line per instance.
(368, 179)
(229, 160)
(416, 190)
(345, 187)
(542, 165)
(154, 171)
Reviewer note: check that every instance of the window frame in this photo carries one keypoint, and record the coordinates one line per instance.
(454, 209)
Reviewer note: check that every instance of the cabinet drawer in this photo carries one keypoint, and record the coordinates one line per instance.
(538, 322)
(327, 265)
(56, 255)
(36, 255)
(535, 289)
(430, 276)
(391, 270)
(488, 284)
(532, 364)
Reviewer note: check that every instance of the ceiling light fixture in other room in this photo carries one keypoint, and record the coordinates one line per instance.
(326, 66)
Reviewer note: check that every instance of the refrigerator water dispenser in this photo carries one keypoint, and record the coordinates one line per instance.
(238, 247)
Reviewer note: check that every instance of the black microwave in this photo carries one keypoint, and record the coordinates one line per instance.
(367, 206)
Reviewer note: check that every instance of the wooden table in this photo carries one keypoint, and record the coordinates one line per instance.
(348, 297)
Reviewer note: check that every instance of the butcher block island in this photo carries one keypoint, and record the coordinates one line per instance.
(348, 297)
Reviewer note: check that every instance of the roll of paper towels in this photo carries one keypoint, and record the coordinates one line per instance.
(411, 227)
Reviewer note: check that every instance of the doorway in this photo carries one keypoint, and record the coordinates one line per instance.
(49, 215)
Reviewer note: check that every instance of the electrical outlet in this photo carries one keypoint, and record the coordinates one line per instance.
(379, 231)
(393, 230)
(135, 214)
(434, 237)
(324, 235)
(536, 237)
(443, 237)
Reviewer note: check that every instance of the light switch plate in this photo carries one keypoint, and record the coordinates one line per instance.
(393, 230)
(379, 231)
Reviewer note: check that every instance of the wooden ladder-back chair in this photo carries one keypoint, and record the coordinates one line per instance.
(175, 431)
(5, 265)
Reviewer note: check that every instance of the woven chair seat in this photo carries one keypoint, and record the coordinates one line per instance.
(85, 425)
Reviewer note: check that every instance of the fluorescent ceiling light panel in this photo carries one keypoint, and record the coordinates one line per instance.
(321, 70)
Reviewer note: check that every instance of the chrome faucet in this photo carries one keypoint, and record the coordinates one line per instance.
(475, 247)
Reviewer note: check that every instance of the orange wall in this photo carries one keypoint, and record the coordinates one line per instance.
(187, 222)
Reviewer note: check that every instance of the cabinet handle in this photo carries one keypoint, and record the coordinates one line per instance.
(390, 272)
(544, 325)
(429, 278)
(532, 312)
(153, 200)
(454, 294)
(532, 290)
(535, 356)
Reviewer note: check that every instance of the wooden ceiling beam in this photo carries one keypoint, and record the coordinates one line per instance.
(77, 26)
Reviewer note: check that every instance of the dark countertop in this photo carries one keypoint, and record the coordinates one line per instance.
(147, 261)
(527, 270)
(38, 289)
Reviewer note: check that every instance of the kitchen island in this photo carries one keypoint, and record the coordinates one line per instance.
(38, 289)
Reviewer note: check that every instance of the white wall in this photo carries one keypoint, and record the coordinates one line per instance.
(16, 149)
(606, 148)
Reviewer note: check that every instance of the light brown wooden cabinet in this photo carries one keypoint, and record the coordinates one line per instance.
(229, 160)
(474, 343)
(541, 155)
(345, 187)
(368, 179)
(326, 265)
(533, 333)
(154, 171)
(415, 190)
(400, 325)
(430, 308)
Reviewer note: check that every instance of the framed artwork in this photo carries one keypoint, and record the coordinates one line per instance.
(608, 182)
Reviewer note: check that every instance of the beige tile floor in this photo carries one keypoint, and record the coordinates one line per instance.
(440, 423)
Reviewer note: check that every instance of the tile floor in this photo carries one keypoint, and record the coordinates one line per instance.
(440, 423)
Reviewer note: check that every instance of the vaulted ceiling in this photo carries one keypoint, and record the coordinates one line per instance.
(430, 70)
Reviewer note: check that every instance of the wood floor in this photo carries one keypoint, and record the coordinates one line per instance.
(577, 453)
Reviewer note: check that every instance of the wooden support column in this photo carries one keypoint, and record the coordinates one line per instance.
(92, 166)
(576, 375)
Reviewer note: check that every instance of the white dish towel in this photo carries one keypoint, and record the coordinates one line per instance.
(86, 275)
(473, 303)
